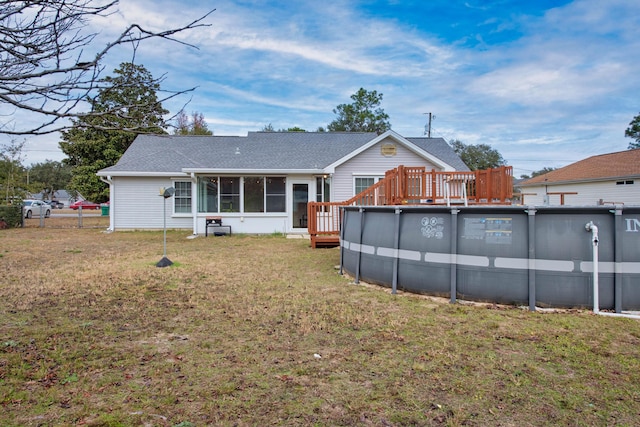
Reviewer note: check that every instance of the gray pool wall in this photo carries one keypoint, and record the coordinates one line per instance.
(537, 256)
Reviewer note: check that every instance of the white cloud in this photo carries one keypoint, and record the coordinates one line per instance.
(565, 85)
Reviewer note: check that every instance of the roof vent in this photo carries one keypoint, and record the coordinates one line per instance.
(237, 150)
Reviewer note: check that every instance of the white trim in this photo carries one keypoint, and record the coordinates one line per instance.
(499, 262)
(175, 214)
(440, 258)
(310, 182)
(376, 178)
(472, 260)
(178, 175)
(367, 174)
(603, 267)
(208, 171)
(186, 172)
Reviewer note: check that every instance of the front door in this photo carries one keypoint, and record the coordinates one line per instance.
(299, 208)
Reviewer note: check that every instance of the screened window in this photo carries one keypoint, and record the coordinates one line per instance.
(276, 194)
(254, 194)
(230, 194)
(182, 197)
(259, 194)
(208, 194)
(265, 194)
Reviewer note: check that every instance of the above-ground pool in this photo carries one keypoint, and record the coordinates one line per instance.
(537, 256)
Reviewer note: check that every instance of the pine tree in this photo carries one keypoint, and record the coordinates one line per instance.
(125, 106)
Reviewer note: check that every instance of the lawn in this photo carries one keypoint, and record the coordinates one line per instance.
(248, 330)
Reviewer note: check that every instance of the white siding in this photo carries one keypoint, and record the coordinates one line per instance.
(372, 163)
(248, 223)
(589, 194)
(138, 205)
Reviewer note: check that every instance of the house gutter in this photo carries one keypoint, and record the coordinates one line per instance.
(107, 180)
(142, 174)
(254, 172)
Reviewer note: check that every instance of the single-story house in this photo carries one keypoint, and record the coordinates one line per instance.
(259, 183)
(612, 178)
(61, 196)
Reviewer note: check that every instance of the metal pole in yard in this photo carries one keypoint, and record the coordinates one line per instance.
(165, 193)
(164, 226)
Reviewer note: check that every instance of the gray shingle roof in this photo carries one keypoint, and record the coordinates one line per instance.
(258, 151)
(439, 148)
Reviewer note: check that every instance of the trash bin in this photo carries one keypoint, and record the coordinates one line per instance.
(105, 210)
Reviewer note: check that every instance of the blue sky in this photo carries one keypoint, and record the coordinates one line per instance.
(546, 83)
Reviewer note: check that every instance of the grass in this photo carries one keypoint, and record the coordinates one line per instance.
(248, 330)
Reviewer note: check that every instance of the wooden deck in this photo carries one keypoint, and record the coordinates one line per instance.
(325, 241)
(413, 186)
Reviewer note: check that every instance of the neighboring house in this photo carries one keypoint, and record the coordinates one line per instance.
(61, 196)
(260, 183)
(612, 178)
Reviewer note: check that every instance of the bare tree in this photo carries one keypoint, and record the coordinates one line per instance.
(197, 125)
(44, 65)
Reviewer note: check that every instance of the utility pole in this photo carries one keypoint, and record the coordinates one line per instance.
(427, 128)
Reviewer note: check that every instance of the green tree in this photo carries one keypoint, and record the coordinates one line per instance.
(633, 131)
(538, 172)
(12, 172)
(270, 128)
(129, 103)
(363, 115)
(196, 125)
(478, 157)
(49, 177)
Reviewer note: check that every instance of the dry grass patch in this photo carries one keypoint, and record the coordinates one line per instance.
(247, 330)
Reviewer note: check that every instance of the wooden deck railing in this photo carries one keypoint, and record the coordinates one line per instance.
(414, 186)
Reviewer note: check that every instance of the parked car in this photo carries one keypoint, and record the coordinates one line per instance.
(33, 208)
(85, 205)
(54, 204)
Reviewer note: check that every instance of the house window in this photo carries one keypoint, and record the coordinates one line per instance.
(364, 182)
(259, 194)
(230, 194)
(627, 182)
(276, 194)
(208, 194)
(323, 189)
(182, 197)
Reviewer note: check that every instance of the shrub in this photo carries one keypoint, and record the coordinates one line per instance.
(10, 216)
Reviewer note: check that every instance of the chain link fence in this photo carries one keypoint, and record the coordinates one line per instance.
(68, 218)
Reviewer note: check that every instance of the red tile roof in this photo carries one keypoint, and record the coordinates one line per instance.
(623, 164)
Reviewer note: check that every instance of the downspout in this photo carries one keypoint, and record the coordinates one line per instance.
(194, 203)
(107, 180)
(590, 226)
